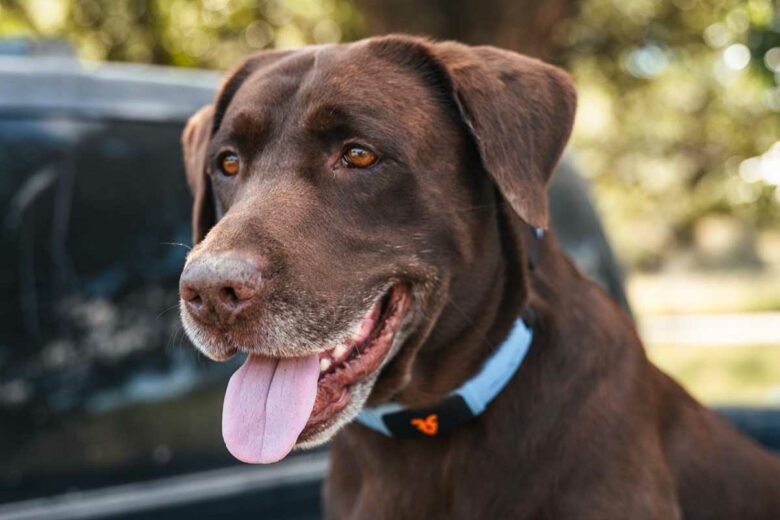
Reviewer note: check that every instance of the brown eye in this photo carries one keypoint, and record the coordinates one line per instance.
(359, 157)
(228, 164)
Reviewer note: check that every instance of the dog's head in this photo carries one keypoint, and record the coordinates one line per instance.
(347, 210)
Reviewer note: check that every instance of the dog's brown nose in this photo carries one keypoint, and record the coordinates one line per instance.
(219, 287)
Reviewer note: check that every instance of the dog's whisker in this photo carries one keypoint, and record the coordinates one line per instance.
(167, 309)
(171, 343)
(179, 244)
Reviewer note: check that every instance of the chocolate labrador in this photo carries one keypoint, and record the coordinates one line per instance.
(368, 222)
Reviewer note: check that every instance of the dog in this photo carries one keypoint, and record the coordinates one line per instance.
(369, 229)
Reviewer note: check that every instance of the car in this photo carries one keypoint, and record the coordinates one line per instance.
(105, 408)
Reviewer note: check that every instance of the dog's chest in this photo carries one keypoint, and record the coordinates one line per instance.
(427, 487)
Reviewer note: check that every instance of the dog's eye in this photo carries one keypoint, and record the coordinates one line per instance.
(228, 164)
(358, 157)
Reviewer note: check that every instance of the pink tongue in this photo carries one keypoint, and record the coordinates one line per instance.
(267, 404)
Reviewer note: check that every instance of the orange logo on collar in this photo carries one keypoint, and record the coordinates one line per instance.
(429, 425)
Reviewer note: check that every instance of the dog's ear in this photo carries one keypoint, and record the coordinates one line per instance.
(197, 135)
(519, 111)
(195, 140)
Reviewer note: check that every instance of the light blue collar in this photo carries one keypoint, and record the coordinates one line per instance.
(463, 404)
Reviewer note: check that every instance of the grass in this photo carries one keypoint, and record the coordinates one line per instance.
(717, 375)
(744, 375)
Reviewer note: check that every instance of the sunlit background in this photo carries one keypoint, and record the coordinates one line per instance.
(678, 131)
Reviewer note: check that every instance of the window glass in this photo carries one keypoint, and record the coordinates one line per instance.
(97, 382)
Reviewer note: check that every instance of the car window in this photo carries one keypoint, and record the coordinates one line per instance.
(98, 384)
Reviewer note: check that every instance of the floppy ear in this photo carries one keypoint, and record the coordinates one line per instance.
(520, 112)
(195, 140)
(197, 134)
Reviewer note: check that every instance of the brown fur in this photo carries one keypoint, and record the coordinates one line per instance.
(469, 136)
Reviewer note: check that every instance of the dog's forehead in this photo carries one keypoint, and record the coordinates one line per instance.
(357, 72)
(350, 76)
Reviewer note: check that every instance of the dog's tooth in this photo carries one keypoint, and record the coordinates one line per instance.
(325, 364)
(356, 328)
(340, 351)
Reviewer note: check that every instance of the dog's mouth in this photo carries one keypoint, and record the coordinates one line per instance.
(271, 404)
(358, 357)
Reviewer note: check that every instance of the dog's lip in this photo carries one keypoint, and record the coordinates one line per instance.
(333, 357)
(359, 358)
(369, 341)
(228, 349)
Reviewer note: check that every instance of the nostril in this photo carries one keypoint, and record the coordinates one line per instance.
(228, 295)
(234, 295)
(188, 294)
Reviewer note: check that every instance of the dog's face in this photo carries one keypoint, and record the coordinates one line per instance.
(335, 196)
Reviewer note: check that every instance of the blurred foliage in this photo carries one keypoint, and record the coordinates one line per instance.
(207, 34)
(679, 114)
(679, 99)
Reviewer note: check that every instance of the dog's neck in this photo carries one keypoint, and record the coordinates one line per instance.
(474, 324)
(553, 288)
(520, 422)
